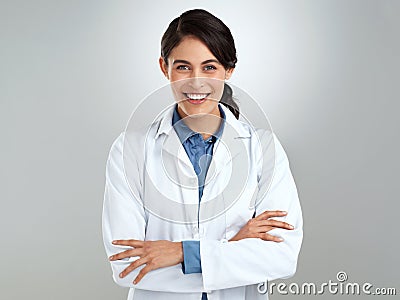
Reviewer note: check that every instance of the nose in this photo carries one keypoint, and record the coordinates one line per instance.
(196, 82)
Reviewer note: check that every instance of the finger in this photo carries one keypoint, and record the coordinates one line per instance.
(280, 224)
(265, 229)
(127, 253)
(270, 237)
(132, 243)
(137, 263)
(141, 274)
(275, 223)
(271, 213)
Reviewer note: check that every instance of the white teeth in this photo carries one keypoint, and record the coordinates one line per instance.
(196, 96)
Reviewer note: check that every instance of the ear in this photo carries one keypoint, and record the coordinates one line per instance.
(163, 67)
(228, 73)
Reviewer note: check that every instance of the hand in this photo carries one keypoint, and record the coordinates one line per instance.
(259, 226)
(153, 254)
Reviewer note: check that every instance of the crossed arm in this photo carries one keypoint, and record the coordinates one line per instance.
(160, 254)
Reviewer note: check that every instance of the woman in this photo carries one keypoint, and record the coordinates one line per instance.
(198, 204)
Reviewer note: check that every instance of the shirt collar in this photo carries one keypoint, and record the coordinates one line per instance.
(184, 132)
(164, 123)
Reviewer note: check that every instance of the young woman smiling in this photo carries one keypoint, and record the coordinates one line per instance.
(216, 251)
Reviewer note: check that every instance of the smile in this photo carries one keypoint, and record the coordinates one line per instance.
(196, 98)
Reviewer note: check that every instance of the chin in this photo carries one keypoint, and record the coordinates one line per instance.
(199, 108)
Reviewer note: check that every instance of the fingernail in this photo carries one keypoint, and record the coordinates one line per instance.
(291, 226)
(280, 239)
(284, 212)
(121, 275)
(111, 257)
(114, 242)
(134, 282)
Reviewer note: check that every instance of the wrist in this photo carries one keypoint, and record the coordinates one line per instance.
(179, 248)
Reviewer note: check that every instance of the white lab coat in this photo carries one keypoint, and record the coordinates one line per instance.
(140, 168)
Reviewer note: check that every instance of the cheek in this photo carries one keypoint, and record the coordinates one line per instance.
(174, 76)
(218, 88)
(177, 88)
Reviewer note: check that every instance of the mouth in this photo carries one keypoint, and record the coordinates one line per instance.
(196, 98)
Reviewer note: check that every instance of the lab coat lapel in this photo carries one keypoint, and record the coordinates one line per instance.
(169, 143)
(227, 148)
(227, 175)
(173, 146)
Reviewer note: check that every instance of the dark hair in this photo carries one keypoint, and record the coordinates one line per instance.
(212, 32)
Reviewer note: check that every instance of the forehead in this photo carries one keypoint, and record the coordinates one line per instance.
(191, 49)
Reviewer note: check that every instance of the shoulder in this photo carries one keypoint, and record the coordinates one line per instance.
(135, 138)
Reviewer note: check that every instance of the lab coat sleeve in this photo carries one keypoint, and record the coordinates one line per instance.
(124, 218)
(251, 261)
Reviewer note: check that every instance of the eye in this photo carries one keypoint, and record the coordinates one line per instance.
(183, 67)
(210, 68)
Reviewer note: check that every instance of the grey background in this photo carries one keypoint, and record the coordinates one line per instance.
(71, 72)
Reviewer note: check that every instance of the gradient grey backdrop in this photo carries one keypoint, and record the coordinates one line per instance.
(71, 72)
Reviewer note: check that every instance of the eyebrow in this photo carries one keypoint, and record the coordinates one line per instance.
(182, 61)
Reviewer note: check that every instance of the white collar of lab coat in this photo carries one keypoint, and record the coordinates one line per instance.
(234, 133)
(239, 131)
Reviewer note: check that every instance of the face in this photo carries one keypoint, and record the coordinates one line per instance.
(196, 76)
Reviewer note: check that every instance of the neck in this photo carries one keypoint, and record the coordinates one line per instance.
(205, 124)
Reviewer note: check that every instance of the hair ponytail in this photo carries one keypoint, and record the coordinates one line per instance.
(227, 100)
